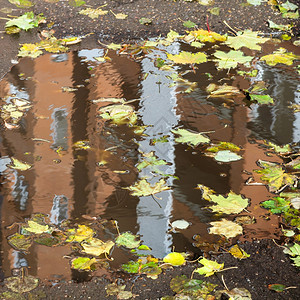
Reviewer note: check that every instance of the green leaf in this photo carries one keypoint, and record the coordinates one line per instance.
(83, 263)
(144, 188)
(127, 240)
(277, 205)
(76, 3)
(255, 2)
(174, 258)
(189, 24)
(18, 165)
(275, 176)
(185, 57)
(209, 267)
(293, 250)
(231, 59)
(281, 27)
(232, 204)
(191, 138)
(248, 39)
(96, 247)
(131, 267)
(238, 252)
(144, 247)
(47, 240)
(227, 228)
(227, 156)
(36, 228)
(289, 6)
(280, 149)
(276, 287)
(21, 3)
(22, 284)
(19, 241)
(223, 146)
(150, 160)
(280, 56)
(262, 99)
(145, 21)
(24, 22)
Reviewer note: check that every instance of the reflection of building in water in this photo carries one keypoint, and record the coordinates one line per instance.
(63, 182)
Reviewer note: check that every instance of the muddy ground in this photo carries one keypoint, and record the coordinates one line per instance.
(267, 263)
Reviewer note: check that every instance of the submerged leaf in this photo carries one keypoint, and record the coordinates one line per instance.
(174, 258)
(185, 57)
(277, 205)
(22, 284)
(190, 138)
(83, 263)
(209, 267)
(275, 176)
(223, 146)
(231, 59)
(119, 114)
(248, 39)
(280, 56)
(227, 228)
(144, 188)
(20, 242)
(127, 240)
(131, 267)
(232, 204)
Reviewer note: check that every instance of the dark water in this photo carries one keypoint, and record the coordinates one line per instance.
(67, 183)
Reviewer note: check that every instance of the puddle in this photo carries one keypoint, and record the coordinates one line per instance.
(63, 91)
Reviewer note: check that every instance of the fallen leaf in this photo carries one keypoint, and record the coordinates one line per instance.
(36, 228)
(144, 188)
(223, 146)
(83, 232)
(227, 228)
(21, 3)
(150, 160)
(119, 114)
(127, 240)
(24, 22)
(281, 27)
(76, 3)
(289, 6)
(119, 16)
(93, 13)
(215, 11)
(275, 176)
(145, 21)
(255, 2)
(238, 252)
(262, 99)
(206, 191)
(209, 267)
(174, 258)
(280, 56)
(276, 287)
(22, 284)
(131, 267)
(180, 224)
(83, 263)
(207, 36)
(85, 145)
(96, 247)
(226, 156)
(232, 204)
(20, 242)
(248, 39)
(191, 138)
(189, 24)
(185, 57)
(222, 91)
(231, 59)
(234, 294)
(30, 50)
(18, 165)
(277, 205)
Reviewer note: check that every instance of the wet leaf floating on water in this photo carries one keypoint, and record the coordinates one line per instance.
(226, 156)
(227, 228)
(222, 91)
(83, 232)
(76, 3)
(83, 263)
(36, 228)
(262, 99)
(150, 160)
(206, 36)
(232, 204)
(30, 50)
(280, 149)
(22, 284)
(206, 191)
(21, 3)
(185, 57)
(238, 252)
(127, 240)
(275, 176)
(174, 258)
(85, 145)
(231, 59)
(96, 247)
(131, 267)
(277, 205)
(191, 138)
(144, 188)
(280, 56)
(93, 13)
(18, 165)
(180, 224)
(119, 114)
(223, 146)
(20, 242)
(48, 240)
(248, 39)
(209, 267)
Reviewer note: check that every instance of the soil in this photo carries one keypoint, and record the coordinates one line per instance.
(267, 263)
